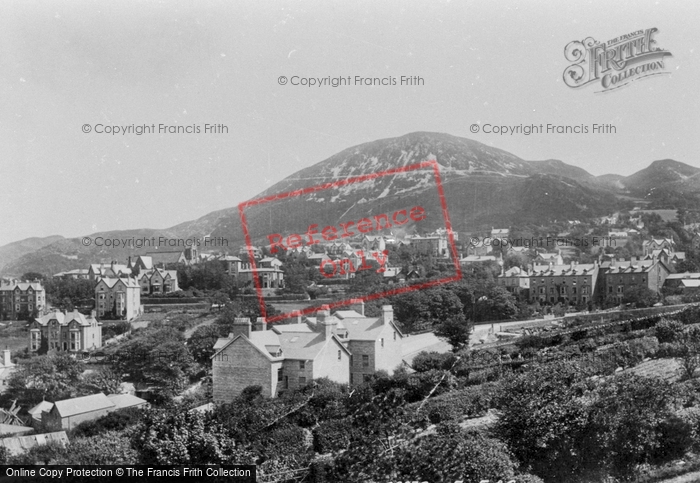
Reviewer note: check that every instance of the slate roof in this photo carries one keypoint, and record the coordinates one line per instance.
(21, 444)
(65, 319)
(23, 286)
(39, 408)
(563, 270)
(166, 256)
(128, 282)
(82, 405)
(122, 401)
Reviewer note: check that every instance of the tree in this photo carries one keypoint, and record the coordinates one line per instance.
(434, 457)
(422, 309)
(104, 380)
(640, 296)
(108, 448)
(174, 436)
(201, 342)
(51, 377)
(455, 330)
(544, 421)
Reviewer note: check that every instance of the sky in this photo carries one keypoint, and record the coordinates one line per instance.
(66, 67)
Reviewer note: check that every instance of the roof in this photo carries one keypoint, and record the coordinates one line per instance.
(122, 401)
(128, 282)
(515, 272)
(564, 270)
(23, 286)
(684, 275)
(146, 261)
(39, 408)
(631, 267)
(65, 319)
(21, 444)
(82, 405)
(166, 256)
(478, 258)
(265, 341)
(204, 408)
(13, 429)
(691, 283)
(363, 328)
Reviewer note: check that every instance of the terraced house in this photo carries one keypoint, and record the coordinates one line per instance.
(572, 284)
(20, 299)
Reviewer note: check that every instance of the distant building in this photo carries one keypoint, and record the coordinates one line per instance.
(163, 258)
(21, 444)
(268, 271)
(516, 280)
(687, 282)
(7, 367)
(110, 270)
(245, 251)
(648, 246)
(571, 284)
(65, 331)
(545, 258)
(69, 413)
(78, 274)
(618, 276)
(157, 281)
(20, 298)
(118, 297)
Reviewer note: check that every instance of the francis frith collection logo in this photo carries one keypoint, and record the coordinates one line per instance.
(615, 63)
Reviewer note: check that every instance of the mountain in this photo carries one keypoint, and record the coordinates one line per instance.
(659, 174)
(14, 250)
(483, 186)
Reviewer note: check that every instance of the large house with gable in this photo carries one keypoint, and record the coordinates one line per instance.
(118, 297)
(65, 331)
(346, 347)
(18, 298)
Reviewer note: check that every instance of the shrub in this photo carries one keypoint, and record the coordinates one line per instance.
(426, 361)
(670, 349)
(331, 436)
(644, 347)
(668, 330)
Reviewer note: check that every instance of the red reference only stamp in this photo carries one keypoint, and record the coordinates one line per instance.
(319, 238)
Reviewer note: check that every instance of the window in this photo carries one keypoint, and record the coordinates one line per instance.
(302, 365)
(365, 360)
(338, 355)
(366, 377)
(573, 290)
(394, 335)
(610, 289)
(551, 289)
(541, 289)
(382, 341)
(620, 288)
(279, 374)
(302, 381)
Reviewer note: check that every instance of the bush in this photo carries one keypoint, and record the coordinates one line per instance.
(667, 330)
(644, 347)
(426, 361)
(331, 436)
(114, 421)
(670, 349)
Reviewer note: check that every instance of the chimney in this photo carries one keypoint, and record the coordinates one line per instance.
(6, 358)
(260, 324)
(241, 326)
(387, 314)
(325, 323)
(358, 306)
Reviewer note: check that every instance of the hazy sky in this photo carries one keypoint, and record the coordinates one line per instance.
(66, 64)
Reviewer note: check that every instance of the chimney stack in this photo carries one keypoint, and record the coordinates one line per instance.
(325, 323)
(358, 306)
(260, 324)
(7, 362)
(387, 314)
(241, 326)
